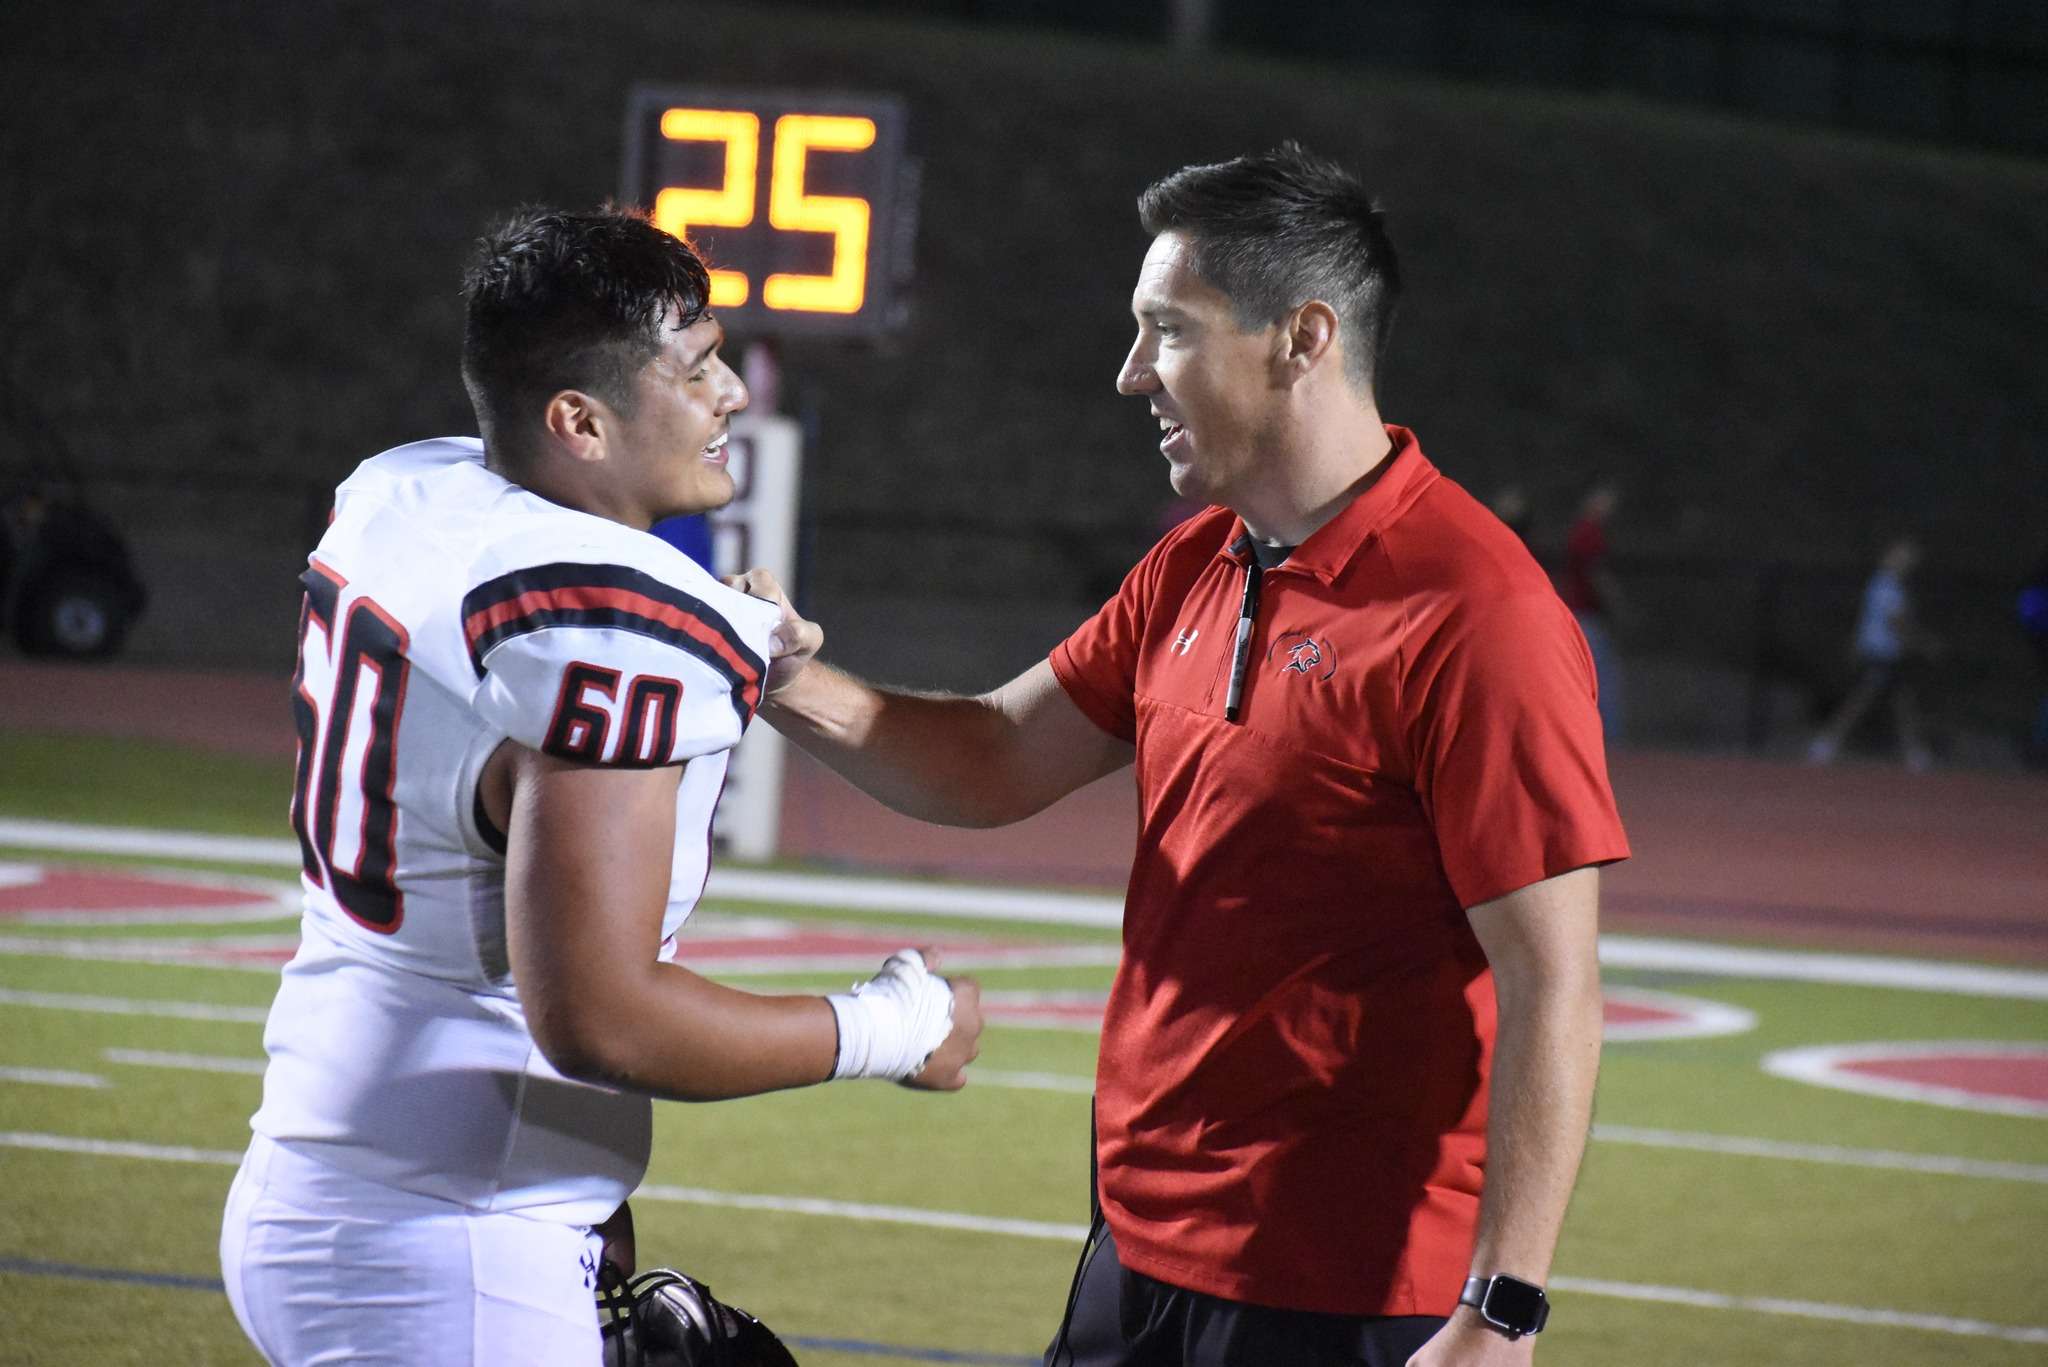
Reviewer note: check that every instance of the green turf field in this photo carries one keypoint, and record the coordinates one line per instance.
(899, 1252)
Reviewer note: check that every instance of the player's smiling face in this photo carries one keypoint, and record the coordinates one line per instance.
(669, 453)
(1207, 381)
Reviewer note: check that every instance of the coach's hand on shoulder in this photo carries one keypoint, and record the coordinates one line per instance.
(946, 1069)
(1465, 1341)
(795, 641)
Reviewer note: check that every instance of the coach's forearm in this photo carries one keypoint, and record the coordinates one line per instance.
(1546, 1062)
(936, 757)
(1540, 1110)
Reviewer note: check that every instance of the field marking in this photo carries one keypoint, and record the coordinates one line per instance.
(1833, 1155)
(1816, 1310)
(1822, 1065)
(135, 1006)
(119, 1148)
(1843, 970)
(28, 1267)
(197, 1063)
(157, 916)
(969, 959)
(1032, 1082)
(1085, 909)
(53, 1077)
(69, 836)
(1690, 1018)
(1074, 1233)
(264, 953)
(865, 1211)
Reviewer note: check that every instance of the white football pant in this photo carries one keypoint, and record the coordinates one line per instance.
(324, 1267)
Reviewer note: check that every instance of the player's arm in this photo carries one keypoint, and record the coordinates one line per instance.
(957, 761)
(1542, 944)
(586, 884)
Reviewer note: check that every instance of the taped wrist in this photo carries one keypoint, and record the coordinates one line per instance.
(891, 1024)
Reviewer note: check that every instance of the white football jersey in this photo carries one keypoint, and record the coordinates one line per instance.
(447, 609)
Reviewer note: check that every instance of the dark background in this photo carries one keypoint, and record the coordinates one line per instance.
(1777, 268)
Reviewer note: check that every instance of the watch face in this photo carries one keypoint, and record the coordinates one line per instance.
(1515, 1304)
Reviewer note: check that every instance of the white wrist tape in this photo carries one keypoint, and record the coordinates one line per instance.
(890, 1024)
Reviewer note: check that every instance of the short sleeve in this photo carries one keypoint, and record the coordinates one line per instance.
(1500, 710)
(1098, 664)
(606, 664)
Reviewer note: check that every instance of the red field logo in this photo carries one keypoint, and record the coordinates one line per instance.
(1999, 1076)
(53, 894)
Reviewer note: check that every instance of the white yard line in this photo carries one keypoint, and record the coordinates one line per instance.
(162, 916)
(197, 1063)
(52, 1077)
(1074, 1233)
(1032, 1082)
(134, 1006)
(119, 1148)
(1833, 1155)
(1815, 1310)
(1056, 908)
(159, 949)
(230, 849)
(860, 1210)
(1741, 1146)
(1849, 970)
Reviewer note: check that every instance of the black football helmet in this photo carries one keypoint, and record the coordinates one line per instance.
(663, 1318)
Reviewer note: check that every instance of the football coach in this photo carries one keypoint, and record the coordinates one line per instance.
(1348, 1060)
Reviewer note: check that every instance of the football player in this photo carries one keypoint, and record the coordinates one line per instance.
(515, 711)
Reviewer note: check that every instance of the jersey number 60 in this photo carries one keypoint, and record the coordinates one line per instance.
(346, 698)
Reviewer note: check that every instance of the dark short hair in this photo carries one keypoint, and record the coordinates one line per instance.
(1278, 229)
(569, 301)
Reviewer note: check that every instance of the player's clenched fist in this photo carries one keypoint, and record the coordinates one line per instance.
(946, 1069)
(909, 1024)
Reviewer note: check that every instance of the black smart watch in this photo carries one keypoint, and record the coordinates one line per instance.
(1507, 1304)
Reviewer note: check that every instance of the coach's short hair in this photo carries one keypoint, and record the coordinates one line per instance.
(1278, 229)
(569, 301)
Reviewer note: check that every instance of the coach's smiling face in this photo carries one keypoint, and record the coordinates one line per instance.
(1209, 382)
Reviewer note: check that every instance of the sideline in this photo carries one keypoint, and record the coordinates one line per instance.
(729, 884)
(29, 1267)
(1075, 1233)
(1736, 1145)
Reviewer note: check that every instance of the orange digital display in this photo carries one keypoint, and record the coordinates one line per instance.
(793, 200)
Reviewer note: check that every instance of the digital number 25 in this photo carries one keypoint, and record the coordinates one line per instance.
(731, 205)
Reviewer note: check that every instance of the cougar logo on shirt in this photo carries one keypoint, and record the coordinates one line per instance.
(1297, 652)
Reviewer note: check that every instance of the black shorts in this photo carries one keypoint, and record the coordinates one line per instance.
(1122, 1318)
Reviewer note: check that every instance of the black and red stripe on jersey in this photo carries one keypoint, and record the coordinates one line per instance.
(616, 598)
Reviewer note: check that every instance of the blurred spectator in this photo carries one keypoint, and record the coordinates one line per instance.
(1511, 506)
(1588, 589)
(1889, 641)
(2034, 621)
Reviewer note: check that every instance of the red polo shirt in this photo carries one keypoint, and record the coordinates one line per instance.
(1291, 1100)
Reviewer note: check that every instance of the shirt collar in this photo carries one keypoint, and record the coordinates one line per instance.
(1402, 478)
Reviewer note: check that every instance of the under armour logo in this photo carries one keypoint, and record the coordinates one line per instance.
(1186, 639)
